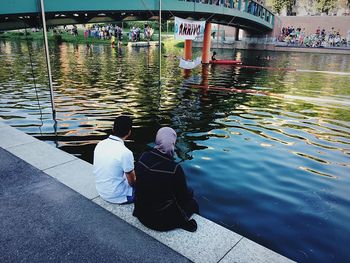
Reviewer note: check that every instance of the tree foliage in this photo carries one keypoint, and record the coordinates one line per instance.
(324, 6)
(289, 5)
(279, 5)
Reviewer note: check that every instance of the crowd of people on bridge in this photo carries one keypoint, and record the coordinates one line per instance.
(255, 8)
(321, 38)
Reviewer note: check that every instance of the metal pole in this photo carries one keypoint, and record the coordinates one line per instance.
(217, 36)
(167, 29)
(48, 58)
(160, 42)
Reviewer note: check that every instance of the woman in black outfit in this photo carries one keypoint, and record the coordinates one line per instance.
(163, 200)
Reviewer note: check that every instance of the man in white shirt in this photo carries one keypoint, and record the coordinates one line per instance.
(114, 164)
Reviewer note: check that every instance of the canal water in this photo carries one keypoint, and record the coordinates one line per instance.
(266, 149)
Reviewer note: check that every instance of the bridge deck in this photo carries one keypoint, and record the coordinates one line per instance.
(244, 14)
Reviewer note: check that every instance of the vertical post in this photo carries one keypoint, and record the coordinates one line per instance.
(47, 58)
(205, 74)
(188, 49)
(167, 28)
(237, 34)
(264, 14)
(187, 56)
(160, 42)
(272, 19)
(239, 5)
(206, 43)
(217, 37)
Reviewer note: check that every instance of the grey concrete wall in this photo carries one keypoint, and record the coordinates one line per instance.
(272, 47)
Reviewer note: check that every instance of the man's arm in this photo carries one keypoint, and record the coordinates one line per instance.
(131, 177)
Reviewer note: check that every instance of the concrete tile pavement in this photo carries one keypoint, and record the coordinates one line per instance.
(10, 137)
(41, 155)
(77, 175)
(43, 220)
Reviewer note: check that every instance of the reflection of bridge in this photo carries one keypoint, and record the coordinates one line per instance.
(245, 14)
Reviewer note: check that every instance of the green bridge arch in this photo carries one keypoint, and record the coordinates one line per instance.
(244, 14)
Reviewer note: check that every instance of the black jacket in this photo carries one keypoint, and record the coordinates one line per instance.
(161, 192)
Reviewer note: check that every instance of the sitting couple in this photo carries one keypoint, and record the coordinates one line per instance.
(157, 184)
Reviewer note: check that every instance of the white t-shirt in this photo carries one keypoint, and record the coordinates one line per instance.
(111, 161)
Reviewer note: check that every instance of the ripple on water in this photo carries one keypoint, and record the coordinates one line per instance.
(273, 167)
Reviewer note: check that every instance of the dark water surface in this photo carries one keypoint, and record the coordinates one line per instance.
(271, 164)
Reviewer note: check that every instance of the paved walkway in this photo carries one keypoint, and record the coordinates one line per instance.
(42, 220)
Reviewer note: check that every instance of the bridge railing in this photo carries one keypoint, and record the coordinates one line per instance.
(246, 6)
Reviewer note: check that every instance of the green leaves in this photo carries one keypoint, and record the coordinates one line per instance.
(278, 5)
(324, 6)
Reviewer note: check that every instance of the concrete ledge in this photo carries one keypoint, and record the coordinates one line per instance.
(10, 137)
(2, 125)
(273, 47)
(210, 243)
(249, 251)
(143, 44)
(342, 51)
(41, 155)
(77, 175)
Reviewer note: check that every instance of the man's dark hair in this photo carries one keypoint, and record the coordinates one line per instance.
(122, 126)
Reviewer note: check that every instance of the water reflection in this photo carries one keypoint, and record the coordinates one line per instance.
(267, 150)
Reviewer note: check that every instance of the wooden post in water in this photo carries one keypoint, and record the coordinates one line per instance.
(206, 43)
(47, 54)
(188, 49)
(187, 56)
